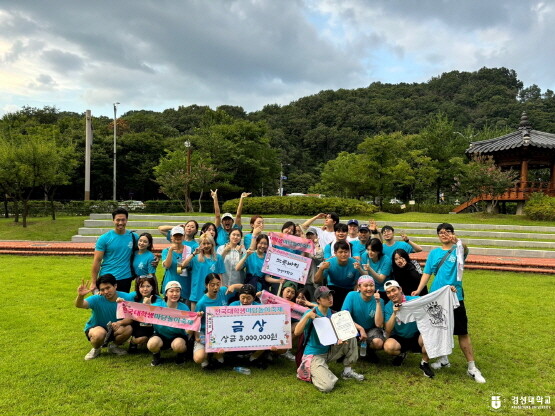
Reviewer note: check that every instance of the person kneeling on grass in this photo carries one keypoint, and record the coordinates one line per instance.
(167, 337)
(314, 367)
(366, 307)
(103, 326)
(402, 337)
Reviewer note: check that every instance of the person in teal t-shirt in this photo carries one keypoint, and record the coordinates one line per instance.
(113, 250)
(366, 308)
(167, 337)
(316, 356)
(390, 245)
(144, 259)
(450, 272)
(103, 325)
(215, 295)
(377, 264)
(225, 223)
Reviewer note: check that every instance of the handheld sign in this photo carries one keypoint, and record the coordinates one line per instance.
(286, 265)
(297, 311)
(292, 242)
(159, 315)
(339, 327)
(248, 328)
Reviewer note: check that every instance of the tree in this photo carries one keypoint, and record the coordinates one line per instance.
(175, 182)
(346, 176)
(482, 177)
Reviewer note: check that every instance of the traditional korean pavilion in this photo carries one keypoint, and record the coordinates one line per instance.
(522, 150)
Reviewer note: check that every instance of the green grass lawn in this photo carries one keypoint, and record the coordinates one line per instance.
(42, 346)
(41, 228)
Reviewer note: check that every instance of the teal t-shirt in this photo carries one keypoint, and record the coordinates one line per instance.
(363, 312)
(382, 266)
(221, 300)
(104, 311)
(407, 330)
(388, 250)
(343, 276)
(199, 271)
(313, 346)
(169, 331)
(117, 250)
(142, 263)
(171, 273)
(447, 274)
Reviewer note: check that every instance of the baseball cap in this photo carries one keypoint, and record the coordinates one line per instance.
(171, 284)
(353, 221)
(363, 227)
(289, 283)
(312, 230)
(178, 230)
(227, 215)
(322, 291)
(391, 283)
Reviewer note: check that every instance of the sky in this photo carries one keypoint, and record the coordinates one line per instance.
(154, 55)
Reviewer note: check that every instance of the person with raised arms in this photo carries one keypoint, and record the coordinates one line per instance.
(390, 245)
(225, 223)
(366, 308)
(103, 326)
(167, 337)
(447, 264)
(232, 252)
(326, 234)
(257, 226)
(314, 365)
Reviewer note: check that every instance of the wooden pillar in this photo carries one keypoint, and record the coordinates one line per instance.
(552, 177)
(523, 174)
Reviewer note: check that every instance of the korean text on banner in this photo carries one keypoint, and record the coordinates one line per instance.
(159, 315)
(297, 311)
(248, 328)
(292, 242)
(286, 265)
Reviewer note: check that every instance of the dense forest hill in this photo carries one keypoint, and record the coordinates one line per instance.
(248, 150)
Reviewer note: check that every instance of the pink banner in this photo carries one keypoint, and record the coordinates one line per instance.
(297, 311)
(159, 315)
(292, 242)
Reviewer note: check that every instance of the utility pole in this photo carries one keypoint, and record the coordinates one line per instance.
(88, 144)
(115, 138)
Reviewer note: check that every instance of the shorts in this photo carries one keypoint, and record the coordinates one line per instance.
(408, 344)
(461, 320)
(124, 285)
(199, 345)
(141, 330)
(375, 333)
(112, 338)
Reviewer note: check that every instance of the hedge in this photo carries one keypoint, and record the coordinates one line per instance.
(300, 205)
(540, 207)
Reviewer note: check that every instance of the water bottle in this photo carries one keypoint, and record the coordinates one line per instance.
(363, 346)
(242, 370)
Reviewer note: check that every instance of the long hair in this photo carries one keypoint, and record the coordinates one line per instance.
(376, 246)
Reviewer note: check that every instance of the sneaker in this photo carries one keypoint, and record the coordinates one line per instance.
(114, 349)
(92, 354)
(442, 362)
(288, 355)
(476, 375)
(133, 348)
(425, 367)
(372, 357)
(156, 360)
(352, 374)
(109, 333)
(397, 361)
(180, 358)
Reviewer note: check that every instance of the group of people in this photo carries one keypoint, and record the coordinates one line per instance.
(355, 267)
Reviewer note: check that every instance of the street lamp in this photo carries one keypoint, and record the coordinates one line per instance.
(115, 135)
(188, 203)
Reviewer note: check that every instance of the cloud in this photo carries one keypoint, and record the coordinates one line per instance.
(156, 55)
